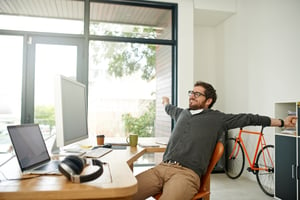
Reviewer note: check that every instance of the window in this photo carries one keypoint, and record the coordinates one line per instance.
(50, 60)
(123, 88)
(11, 51)
(130, 68)
(125, 53)
(134, 21)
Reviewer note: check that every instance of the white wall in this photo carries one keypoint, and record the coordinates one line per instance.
(205, 54)
(220, 5)
(185, 48)
(262, 43)
(252, 58)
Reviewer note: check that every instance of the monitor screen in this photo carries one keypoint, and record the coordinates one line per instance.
(70, 111)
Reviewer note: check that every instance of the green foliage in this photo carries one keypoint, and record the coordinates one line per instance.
(130, 61)
(125, 59)
(143, 125)
(45, 115)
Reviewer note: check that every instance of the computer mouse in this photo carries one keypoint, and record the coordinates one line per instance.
(107, 145)
(102, 146)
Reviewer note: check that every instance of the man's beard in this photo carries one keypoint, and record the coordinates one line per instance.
(196, 106)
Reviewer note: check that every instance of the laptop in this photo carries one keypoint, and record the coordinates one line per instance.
(31, 150)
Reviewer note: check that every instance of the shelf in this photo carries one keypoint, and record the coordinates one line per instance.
(282, 110)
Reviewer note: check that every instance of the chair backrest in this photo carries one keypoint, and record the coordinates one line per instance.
(217, 154)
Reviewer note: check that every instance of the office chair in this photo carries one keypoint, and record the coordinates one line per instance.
(204, 190)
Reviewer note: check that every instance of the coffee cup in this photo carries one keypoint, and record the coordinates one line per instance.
(100, 139)
(132, 140)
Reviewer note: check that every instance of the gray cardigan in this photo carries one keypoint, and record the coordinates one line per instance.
(194, 136)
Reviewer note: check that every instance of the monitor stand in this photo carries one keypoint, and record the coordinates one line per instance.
(55, 150)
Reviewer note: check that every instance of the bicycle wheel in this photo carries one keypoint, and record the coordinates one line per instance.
(265, 178)
(234, 158)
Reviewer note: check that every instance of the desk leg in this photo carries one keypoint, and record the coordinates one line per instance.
(131, 166)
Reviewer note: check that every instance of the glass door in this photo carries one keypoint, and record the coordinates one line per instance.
(48, 58)
(11, 51)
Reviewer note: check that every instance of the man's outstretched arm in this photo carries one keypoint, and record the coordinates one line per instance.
(289, 121)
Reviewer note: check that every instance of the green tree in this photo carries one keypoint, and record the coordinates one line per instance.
(45, 115)
(125, 59)
(128, 62)
(142, 125)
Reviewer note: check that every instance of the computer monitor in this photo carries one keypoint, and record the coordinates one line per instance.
(70, 111)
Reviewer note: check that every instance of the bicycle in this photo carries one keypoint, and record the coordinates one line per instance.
(263, 163)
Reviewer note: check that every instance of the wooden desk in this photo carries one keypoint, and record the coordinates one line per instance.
(117, 181)
(152, 148)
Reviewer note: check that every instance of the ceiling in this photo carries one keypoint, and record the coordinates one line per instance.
(74, 9)
(210, 17)
(65, 9)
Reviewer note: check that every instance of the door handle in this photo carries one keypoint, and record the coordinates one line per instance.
(293, 171)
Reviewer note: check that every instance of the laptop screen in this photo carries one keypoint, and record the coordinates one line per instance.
(29, 145)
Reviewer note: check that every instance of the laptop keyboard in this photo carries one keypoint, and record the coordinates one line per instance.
(51, 166)
(97, 153)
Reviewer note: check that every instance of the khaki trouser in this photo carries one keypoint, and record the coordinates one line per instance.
(175, 182)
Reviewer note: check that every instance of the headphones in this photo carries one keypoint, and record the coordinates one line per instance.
(72, 166)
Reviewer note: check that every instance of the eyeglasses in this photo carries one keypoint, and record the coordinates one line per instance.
(196, 94)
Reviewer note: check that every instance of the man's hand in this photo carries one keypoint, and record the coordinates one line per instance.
(290, 121)
(165, 101)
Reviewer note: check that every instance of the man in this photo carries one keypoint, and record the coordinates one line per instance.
(191, 144)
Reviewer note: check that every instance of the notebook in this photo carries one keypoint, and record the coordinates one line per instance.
(31, 150)
(162, 140)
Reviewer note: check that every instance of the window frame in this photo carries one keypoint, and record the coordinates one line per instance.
(86, 37)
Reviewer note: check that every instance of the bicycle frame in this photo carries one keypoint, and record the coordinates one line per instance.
(261, 143)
